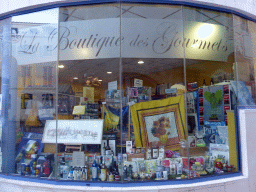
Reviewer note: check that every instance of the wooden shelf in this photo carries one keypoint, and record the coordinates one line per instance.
(193, 151)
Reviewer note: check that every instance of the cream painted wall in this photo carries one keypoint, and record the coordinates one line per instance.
(11, 5)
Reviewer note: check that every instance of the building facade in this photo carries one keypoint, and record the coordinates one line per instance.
(127, 95)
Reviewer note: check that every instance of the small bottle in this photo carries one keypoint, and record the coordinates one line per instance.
(129, 173)
(38, 171)
(103, 170)
(116, 172)
(111, 177)
(84, 174)
(104, 150)
(71, 175)
(212, 82)
(225, 166)
(75, 173)
(65, 172)
(125, 173)
(87, 170)
(79, 174)
(33, 165)
(94, 169)
(108, 149)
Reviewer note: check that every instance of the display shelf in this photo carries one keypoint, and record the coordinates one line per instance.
(193, 151)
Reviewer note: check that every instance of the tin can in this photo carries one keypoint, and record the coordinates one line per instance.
(23, 169)
(117, 178)
(27, 169)
(38, 170)
(111, 177)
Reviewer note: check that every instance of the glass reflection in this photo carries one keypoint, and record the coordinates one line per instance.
(32, 93)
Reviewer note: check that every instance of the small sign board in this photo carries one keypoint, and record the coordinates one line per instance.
(86, 131)
(112, 85)
(78, 159)
(171, 91)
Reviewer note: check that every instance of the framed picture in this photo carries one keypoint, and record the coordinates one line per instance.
(160, 122)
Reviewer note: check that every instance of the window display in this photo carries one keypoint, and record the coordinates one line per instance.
(153, 96)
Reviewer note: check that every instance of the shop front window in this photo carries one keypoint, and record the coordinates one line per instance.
(32, 102)
(124, 92)
(153, 80)
(89, 94)
(212, 92)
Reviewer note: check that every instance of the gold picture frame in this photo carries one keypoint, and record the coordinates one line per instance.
(160, 122)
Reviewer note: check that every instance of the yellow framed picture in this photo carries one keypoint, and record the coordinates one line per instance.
(160, 122)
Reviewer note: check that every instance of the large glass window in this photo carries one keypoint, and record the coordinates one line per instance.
(31, 92)
(124, 92)
(89, 93)
(211, 97)
(153, 81)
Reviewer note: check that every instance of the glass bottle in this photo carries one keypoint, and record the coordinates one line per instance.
(108, 149)
(129, 173)
(84, 174)
(75, 173)
(70, 175)
(103, 172)
(117, 177)
(79, 173)
(104, 149)
(94, 169)
(125, 173)
(86, 169)
(212, 82)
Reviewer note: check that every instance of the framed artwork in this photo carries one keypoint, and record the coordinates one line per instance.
(160, 122)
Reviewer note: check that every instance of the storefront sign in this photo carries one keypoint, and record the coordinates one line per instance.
(73, 131)
(141, 38)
